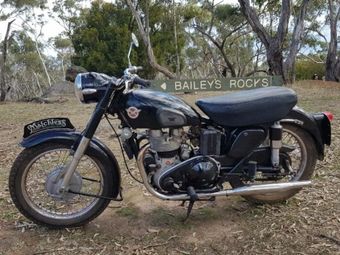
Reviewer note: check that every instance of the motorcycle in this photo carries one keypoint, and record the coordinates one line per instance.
(258, 141)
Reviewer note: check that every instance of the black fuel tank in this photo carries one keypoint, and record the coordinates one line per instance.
(151, 109)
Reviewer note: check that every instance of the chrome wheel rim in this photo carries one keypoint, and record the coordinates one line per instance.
(298, 156)
(33, 185)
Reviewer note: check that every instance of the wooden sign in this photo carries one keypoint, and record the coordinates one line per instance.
(220, 84)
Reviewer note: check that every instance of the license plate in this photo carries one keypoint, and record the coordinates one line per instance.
(45, 124)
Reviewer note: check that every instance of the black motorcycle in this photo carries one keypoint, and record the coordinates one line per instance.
(258, 141)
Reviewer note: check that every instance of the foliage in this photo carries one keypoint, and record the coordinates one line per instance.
(305, 69)
(102, 37)
(191, 38)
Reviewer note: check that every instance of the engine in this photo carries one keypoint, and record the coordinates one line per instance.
(173, 166)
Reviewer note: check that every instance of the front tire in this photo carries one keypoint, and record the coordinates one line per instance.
(304, 170)
(32, 185)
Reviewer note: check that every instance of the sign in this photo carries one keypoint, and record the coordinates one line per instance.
(220, 84)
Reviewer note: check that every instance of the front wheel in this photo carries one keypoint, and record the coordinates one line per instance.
(35, 179)
(302, 164)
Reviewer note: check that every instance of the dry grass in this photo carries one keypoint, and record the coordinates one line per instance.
(307, 224)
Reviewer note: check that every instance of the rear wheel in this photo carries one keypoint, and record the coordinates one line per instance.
(302, 164)
(35, 179)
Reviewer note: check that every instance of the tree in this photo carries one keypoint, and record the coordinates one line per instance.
(27, 75)
(275, 41)
(102, 35)
(101, 38)
(16, 8)
(144, 31)
(333, 56)
(64, 48)
(3, 85)
(66, 13)
(225, 28)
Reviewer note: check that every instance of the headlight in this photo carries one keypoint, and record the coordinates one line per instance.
(86, 89)
(78, 89)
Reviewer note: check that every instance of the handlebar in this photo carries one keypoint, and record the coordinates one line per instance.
(130, 74)
(132, 70)
(139, 81)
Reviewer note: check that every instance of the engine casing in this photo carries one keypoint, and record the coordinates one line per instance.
(200, 172)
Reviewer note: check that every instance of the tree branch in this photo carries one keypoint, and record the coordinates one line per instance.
(284, 21)
(144, 32)
(254, 22)
(296, 39)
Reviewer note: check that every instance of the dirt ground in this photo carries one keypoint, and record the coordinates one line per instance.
(309, 223)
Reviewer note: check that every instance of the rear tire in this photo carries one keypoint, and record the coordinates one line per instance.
(305, 171)
(26, 194)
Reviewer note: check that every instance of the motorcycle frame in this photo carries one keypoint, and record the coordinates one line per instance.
(317, 127)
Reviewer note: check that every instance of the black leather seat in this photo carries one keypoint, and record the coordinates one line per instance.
(252, 107)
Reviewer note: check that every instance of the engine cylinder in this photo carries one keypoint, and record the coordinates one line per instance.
(165, 142)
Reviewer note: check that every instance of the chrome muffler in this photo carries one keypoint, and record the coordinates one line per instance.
(255, 189)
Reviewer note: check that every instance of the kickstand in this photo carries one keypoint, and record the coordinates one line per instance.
(193, 198)
(190, 206)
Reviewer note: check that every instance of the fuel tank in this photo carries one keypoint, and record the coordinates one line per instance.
(152, 109)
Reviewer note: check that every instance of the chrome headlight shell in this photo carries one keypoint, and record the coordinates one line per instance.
(87, 88)
(78, 88)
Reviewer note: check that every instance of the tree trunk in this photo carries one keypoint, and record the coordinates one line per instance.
(289, 65)
(274, 44)
(144, 32)
(333, 61)
(3, 84)
(178, 60)
(43, 63)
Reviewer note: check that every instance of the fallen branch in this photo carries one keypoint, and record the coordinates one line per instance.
(159, 244)
(330, 238)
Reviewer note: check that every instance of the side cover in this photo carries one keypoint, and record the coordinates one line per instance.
(72, 138)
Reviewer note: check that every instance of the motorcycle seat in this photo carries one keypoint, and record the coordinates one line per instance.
(247, 108)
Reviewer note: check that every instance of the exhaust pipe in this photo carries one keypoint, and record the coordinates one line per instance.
(256, 189)
(267, 188)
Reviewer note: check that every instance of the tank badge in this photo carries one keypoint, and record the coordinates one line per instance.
(133, 112)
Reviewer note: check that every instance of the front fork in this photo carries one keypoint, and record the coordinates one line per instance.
(275, 136)
(88, 133)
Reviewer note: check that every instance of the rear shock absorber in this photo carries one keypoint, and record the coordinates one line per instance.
(275, 143)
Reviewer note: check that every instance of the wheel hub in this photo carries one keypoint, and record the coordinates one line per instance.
(54, 181)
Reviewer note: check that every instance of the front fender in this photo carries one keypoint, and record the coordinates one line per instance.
(310, 123)
(72, 138)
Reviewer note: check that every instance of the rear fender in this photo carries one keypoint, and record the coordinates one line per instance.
(72, 139)
(317, 125)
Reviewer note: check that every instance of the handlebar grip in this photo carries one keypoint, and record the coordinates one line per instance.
(134, 69)
(142, 82)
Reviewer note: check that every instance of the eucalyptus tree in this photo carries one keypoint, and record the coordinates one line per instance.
(64, 48)
(25, 68)
(142, 18)
(10, 11)
(226, 29)
(333, 54)
(280, 53)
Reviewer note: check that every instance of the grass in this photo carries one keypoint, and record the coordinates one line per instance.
(309, 223)
(129, 212)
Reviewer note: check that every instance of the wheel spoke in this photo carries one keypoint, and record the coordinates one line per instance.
(41, 180)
